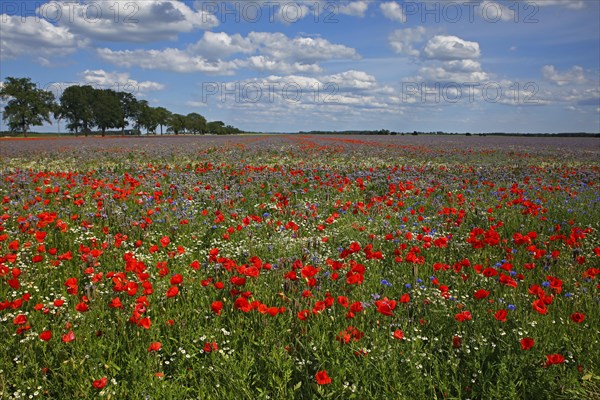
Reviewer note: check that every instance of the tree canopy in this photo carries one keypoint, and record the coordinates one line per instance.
(85, 107)
(76, 107)
(27, 105)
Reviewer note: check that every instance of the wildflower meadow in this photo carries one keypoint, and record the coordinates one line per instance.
(300, 267)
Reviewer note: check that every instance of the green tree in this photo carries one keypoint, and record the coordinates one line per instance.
(76, 108)
(176, 123)
(195, 123)
(216, 127)
(162, 117)
(230, 130)
(147, 117)
(27, 105)
(128, 104)
(106, 110)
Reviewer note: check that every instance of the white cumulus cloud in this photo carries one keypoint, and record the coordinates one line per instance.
(575, 75)
(262, 51)
(354, 8)
(402, 40)
(392, 10)
(119, 81)
(443, 47)
(128, 20)
(32, 35)
(169, 59)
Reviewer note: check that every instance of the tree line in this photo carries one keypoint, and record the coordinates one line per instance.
(85, 107)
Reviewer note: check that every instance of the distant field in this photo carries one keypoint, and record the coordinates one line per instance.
(16, 145)
(300, 267)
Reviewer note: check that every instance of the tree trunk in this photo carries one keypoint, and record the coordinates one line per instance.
(24, 125)
(103, 132)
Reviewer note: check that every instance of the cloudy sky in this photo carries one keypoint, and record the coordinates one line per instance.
(455, 66)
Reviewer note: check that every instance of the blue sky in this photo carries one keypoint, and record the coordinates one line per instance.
(454, 66)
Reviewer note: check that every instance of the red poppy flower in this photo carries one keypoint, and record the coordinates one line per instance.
(552, 359)
(398, 334)
(82, 307)
(238, 280)
(303, 315)
(154, 346)
(463, 316)
(115, 303)
(481, 294)
(216, 307)
(176, 279)
(507, 280)
(577, 317)
(172, 291)
(386, 306)
(356, 307)
(489, 272)
(241, 303)
(20, 320)
(164, 241)
(405, 298)
(71, 285)
(100, 383)
(210, 347)
(46, 335)
(145, 323)
(527, 343)
(501, 315)
(540, 306)
(322, 378)
(68, 337)
(23, 328)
